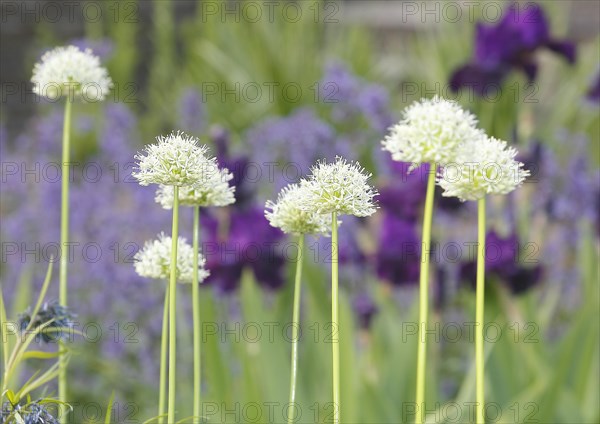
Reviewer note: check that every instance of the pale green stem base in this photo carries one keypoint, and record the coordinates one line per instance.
(196, 317)
(295, 328)
(64, 256)
(335, 343)
(479, 312)
(424, 296)
(162, 390)
(173, 310)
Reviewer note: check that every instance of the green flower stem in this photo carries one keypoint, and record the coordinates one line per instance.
(162, 394)
(64, 240)
(5, 341)
(173, 309)
(295, 328)
(196, 316)
(424, 295)
(479, 317)
(335, 343)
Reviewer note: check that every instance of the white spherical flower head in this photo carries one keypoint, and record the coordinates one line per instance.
(430, 131)
(288, 214)
(340, 187)
(484, 165)
(154, 260)
(175, 160)
(71, 71)
(213, 189)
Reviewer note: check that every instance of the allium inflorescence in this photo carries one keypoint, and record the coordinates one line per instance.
(288, 214)
(52, 316)
(430, 131)
(340, 187)
(31, 413)
(175, 160)
(154, 260)
(69, 70)
(483, 166)
(213, 189)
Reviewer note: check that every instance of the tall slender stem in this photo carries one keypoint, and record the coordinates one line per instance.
(173, 309)
(424, 295)
(196, 316)
(296, 328)
(64, 240)
(335, 342)
(479, 317)
(5, 341)
(162, 390)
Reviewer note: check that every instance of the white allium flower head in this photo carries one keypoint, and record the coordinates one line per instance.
(69, 70)
(175, 160)
(340, 187)
(484, 165)
(288, 213)
(430, 131)
(154, 260)
(212, 189)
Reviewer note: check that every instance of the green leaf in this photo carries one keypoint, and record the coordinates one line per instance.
(109, 408)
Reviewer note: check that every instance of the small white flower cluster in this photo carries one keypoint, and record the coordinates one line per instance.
(175, 160)
(340, 187)
(288, 213)
(69, 70)
(430, 131)
(483, 166)
(154, 260)
(440, 131)
(212, 189)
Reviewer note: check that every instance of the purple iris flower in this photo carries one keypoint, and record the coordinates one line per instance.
(593, 94)
(403, 195)
(398, 255)
(240, 166)
(508, 45)
(502, 261)
(249, 242)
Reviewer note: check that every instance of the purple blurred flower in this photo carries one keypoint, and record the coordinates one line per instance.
(292, 144)
(191, 111)
(365, 309)
(502, 261)
(398, 255)
(593, 95)
(510, 44)
(403, 192)
(240, 167)
(354, 100)
(103, 48)
(251, 243)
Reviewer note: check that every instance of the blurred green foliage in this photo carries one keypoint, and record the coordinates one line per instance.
(545, 366)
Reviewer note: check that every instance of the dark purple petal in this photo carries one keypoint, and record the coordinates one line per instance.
(528, 23)
(522, 279)
(477, 78)
(566, 49)
(501, 253)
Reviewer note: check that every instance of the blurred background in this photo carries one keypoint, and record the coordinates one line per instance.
(272, 87)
